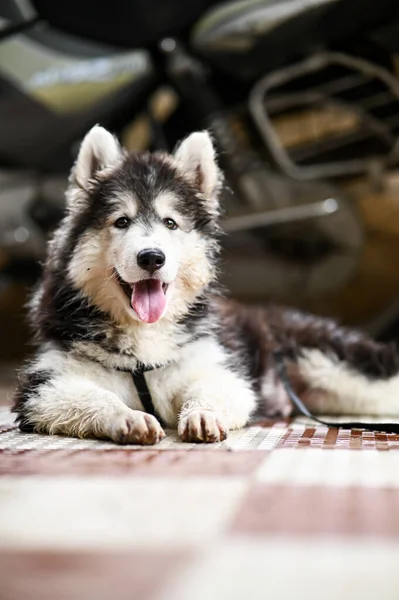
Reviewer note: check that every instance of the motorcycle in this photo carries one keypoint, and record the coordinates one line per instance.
(302, 99)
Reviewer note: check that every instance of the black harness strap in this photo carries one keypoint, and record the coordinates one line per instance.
(142, 389)
(299, 405)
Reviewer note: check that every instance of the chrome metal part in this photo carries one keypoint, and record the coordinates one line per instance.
(376, 113)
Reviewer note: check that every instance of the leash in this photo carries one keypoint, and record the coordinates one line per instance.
(138, 376)
(299, 405)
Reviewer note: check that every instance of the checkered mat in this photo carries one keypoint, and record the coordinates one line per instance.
(280, 510)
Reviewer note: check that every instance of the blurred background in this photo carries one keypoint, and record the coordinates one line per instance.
(302, 97)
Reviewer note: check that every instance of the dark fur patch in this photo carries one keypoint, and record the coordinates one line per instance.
(29, 385)
(245, 333)
(258, 332)
(65, 315)
(195, 319)
(294, 330)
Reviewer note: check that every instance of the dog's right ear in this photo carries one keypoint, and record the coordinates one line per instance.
(99, 150)
(196, 156)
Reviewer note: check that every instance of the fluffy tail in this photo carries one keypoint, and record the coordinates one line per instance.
(342, 371)
(336, 387)
(334, 369)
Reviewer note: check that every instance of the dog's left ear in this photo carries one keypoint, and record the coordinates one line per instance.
(99, 150)
(196, 157)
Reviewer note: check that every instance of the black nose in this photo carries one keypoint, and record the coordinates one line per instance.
(151, 259)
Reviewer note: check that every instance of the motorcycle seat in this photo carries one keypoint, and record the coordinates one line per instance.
(122, 23)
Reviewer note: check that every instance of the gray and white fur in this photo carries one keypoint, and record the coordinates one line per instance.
(213, 357)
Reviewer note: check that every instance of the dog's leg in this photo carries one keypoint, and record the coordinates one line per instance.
(336, 387)
(218, 401)
(79, 406)
(214, 398)
(215, 405)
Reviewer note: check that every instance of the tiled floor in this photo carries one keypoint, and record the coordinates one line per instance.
(280, 510)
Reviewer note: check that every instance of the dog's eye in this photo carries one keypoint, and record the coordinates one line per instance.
(122, 223)
(170, 223)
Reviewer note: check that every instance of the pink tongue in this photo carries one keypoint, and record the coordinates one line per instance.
(148, 300)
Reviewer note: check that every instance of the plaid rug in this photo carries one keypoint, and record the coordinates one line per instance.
(279, 510)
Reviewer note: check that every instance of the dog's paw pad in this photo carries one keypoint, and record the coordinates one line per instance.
(202, 426)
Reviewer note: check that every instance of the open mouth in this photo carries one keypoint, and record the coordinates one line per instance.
(147, 297)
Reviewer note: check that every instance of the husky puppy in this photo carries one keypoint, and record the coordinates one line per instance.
(131, 279)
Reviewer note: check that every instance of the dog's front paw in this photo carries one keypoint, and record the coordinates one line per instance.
(136, 427)
(202, 426)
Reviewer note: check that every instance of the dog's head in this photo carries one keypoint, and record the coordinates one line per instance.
(144, 226)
